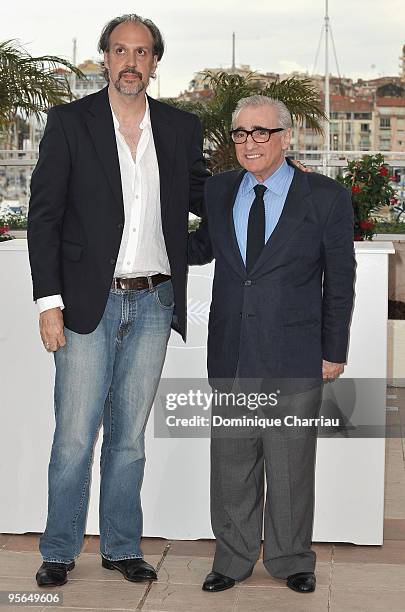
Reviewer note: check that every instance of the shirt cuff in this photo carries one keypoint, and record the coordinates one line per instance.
(50, 301)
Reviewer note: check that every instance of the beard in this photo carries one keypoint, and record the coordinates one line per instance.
(130, 90)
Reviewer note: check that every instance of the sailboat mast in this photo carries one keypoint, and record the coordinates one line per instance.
(327, 93)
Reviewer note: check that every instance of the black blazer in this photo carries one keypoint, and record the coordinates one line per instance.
(76, 212)
(294, 309)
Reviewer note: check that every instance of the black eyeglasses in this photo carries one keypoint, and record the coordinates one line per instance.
(240, 136)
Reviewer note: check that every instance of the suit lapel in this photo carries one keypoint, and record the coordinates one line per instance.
(294, 210)
(164, 136)
(227, 201)
(101, 127)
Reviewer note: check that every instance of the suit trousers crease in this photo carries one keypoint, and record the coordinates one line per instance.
(287, 457)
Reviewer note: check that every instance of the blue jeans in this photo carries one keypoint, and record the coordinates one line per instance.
(109, 376)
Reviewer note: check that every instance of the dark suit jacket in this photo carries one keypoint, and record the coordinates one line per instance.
(76, 212)
(294, 309)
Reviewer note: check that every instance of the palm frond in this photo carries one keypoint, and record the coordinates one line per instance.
(30, 85)
(301, 98)
(299, 95)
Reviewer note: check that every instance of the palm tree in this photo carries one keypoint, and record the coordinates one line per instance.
(30, 85)
(299, 95)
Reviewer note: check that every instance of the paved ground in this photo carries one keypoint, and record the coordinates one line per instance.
(350, 578)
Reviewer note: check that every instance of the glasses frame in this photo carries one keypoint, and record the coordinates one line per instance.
(251, 132)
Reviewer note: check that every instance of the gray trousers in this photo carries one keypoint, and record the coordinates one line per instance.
(238, 464)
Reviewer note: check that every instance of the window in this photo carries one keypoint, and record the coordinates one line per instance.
(365, 127)
(385, 145)
(385, 122)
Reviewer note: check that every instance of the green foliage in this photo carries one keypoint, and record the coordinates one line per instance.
(387, 227)
(30, 85)
(301, 99)
(4, 232)
(14, 221)
(368, 179)
(5, 237)
(299, 95)
(193, 224)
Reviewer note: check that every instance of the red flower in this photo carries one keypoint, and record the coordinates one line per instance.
(393, 178)
(358, 237)
(394, 201)
(366, 225)
(383, 171)
(356, 189)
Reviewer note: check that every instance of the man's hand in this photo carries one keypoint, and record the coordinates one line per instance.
(51, 329)
(300, 165)
(330, 370)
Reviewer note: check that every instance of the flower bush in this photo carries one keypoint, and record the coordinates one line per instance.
(4, 233)
(15, 221)
(368, 179)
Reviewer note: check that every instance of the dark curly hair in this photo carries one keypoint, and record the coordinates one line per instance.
(104, 41)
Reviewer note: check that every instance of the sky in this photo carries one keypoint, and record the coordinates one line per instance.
(271, 36)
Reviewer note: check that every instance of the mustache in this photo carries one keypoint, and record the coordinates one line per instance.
(131, 71)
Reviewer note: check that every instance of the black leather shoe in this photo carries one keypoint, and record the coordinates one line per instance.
(303, 582)
(53, 574)
(215, 582)
(134, 570)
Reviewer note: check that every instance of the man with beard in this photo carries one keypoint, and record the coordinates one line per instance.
(116, 177)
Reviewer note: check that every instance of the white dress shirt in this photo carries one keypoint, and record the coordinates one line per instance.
(142, 250)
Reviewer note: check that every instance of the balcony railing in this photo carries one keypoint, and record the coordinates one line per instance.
(16, 168)
(18, 157)
(339, 159)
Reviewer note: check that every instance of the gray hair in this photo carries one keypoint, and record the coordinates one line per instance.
(284, 116)
(104, 41)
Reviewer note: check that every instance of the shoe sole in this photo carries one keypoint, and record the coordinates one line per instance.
(51, 585)
(108, 565)
(299, 590)
(217, 590)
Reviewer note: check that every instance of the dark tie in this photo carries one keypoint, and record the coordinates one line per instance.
(256, 228)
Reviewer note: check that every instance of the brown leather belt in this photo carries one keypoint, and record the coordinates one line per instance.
(139, 282)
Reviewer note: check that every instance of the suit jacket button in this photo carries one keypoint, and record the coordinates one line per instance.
(247, 283)
(112, 261)
(120, 226)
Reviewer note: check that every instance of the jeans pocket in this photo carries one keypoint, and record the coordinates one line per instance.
(164, 295)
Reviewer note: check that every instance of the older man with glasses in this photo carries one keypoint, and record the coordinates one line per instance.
(282, 298)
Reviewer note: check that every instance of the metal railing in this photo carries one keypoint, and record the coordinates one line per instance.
(317, 157)
(339, 159)
(16, 157)
(16, 167)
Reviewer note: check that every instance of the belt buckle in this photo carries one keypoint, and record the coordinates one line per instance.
(151, 286)
(119, 282)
